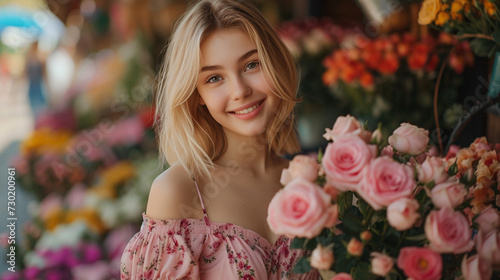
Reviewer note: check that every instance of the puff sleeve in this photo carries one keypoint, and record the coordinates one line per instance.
(162, 249)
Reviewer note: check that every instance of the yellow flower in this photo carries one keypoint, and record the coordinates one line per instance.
(456, 7)
(429, 11)
(89, 216)
(442, 18)
(489, 8)
(45, 140)
(53, 219)
(112, 177)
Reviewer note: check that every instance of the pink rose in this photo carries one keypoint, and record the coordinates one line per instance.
(331, 190)
(342, 276)
(488, 247)
(420, 263)
(381, 264)
(301, 166)
(385, 181)
(476, 268)
(387, 151)
(344, 161)
(409, 139)
(448, 231)
(448, 194)
(432, 169)
(403, 213)
(301, 209)
(322, 258)
(355, 247)
(346, 125)
(488, 219)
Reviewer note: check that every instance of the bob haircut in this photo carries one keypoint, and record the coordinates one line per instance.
(187, 133)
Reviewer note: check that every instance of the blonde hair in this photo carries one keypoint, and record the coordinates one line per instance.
(186, 131)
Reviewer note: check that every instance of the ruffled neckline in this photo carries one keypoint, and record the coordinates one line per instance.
(201, 226)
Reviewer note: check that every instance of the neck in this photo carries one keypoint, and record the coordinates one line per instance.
(247, 153)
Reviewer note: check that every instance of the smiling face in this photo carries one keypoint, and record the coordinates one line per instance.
(232, 85)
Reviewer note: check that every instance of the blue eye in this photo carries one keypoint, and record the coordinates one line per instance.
(252, 65)
(214, 79)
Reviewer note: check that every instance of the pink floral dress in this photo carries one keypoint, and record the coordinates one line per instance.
(202, 249)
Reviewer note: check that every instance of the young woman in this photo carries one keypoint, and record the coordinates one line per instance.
(225, 118)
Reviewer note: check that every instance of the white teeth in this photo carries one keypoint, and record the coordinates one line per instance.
(248, 110)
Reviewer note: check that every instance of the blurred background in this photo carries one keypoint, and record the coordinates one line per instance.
(76, 78)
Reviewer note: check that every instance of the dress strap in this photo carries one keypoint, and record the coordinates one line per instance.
(207, 221)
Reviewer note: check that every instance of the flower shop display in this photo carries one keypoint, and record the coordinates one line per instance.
(89, 165)
(476, 22)
(377, 208)
(391, 79)
(310, 41)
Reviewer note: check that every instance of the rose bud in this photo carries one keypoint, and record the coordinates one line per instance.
(355, 248)
(322, 257)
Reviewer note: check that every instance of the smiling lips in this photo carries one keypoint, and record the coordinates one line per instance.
(249, 112)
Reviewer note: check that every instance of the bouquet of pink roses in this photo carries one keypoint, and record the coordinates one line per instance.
(368, 210)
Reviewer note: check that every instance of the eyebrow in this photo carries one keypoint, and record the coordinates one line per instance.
(217, 67)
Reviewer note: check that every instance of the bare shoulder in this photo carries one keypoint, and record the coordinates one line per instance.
(173, 196)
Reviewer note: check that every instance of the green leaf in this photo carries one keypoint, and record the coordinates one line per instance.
(483, 47)
(362, 272)
(298, 243)
(311, 244)
(353, 219)
(320, 155)
(302, 266)
(453, 170)
(496, 35)
(345, 201)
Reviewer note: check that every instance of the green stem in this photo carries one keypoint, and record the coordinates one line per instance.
(386, 225)
(369, 216)
(402, 238)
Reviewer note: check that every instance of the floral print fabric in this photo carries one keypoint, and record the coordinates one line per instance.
(202, 249)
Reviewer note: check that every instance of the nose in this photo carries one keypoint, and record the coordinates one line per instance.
(240, 88)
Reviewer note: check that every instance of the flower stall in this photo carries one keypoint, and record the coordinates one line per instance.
(88, 164)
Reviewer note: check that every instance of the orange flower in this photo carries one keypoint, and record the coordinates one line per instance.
(349, 74)
(482, 197)
(480, 146)
(418, 56)
(389, 64)
(366, 80)
(403, 48)
(457, 6)
(330, 77)
(489, 8)
(487, 166)
(372, 58)
(416, 61)
(464, 159)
